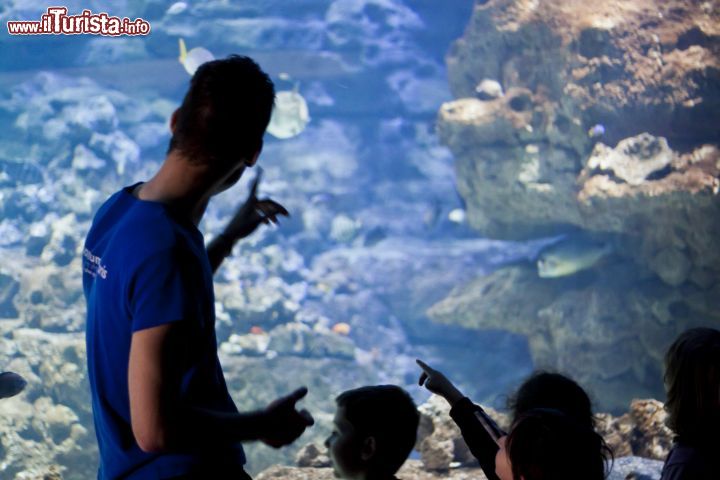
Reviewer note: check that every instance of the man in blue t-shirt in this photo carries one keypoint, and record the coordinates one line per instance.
(160, 403)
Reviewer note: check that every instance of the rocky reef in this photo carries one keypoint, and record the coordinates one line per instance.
(640, 432)
(639, 439)
(603, 123)
(49, 425)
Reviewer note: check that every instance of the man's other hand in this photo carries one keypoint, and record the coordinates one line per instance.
(284, 423)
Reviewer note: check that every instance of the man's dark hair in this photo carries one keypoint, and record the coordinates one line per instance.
(546, 444)
(554, 391)
(692, 380)
(387, 413)
(225, 112)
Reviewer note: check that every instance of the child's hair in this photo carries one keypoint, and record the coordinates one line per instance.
(387, 413)
(546, 444)
(692, 380)
(554, 391)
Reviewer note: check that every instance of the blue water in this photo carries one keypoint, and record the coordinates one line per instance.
(84, 115)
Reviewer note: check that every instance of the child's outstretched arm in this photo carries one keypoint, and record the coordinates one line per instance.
(438, 383)
(478, 430)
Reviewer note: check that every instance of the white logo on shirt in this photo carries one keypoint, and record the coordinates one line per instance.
(92, 265)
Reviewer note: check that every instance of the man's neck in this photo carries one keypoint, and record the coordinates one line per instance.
(181, 186)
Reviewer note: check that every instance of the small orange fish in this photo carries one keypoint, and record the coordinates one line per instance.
(255, 330)
(341, 328)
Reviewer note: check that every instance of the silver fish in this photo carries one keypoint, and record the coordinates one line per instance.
(570, 256)
(597, 130)
(177, 8)
(192, 59)
(290, 115)
(11, 384)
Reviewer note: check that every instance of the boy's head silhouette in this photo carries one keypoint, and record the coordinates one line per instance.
(374, 431)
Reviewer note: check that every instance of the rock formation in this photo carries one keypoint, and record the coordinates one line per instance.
(639, 440)
(607, 127)
(640, 432)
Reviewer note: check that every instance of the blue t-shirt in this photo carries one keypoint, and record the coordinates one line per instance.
(143, 268)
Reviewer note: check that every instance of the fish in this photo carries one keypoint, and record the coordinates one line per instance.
(570, 256)
(341, 328)
(596, 131)
(431, 213)
(256, 330)
(290, 115)
(457, 215)
(374, 236)
(322, 198)
(324, 287)
(11, 384)
(194, 58)
(20, 173)
(489, 90)
(176, 8)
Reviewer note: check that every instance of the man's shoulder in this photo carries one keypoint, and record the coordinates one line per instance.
(152, 227)
(132, 229)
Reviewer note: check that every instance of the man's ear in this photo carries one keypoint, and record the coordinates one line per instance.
(254, 159)
(173, 120)
(369, 449)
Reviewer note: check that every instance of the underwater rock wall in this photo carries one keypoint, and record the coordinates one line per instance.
(645, 65)
(603, 121)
